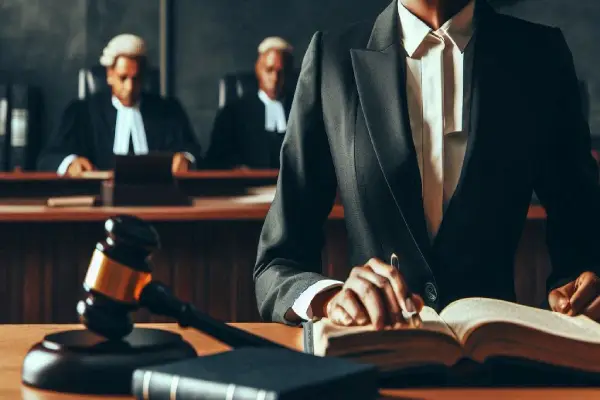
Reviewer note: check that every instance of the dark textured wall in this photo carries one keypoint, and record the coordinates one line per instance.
(46, 42)
(108, 18)
(578, 20)
(214, 37)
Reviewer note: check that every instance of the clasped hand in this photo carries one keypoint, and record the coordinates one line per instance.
(374, 293)
(580, 296)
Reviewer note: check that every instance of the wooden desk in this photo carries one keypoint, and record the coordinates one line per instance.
(238, 208)
(194, 183)
(17, 339)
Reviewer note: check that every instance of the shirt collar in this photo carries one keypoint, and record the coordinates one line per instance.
(119, 106)
(265, 98)
(459, 28)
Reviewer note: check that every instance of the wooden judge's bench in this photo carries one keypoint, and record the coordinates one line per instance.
(208, 249)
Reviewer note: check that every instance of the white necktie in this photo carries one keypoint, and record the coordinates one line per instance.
(129, 125)
(274, 114)
(442, 87)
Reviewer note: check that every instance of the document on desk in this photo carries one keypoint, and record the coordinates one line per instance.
(257, 195)
(71, 201)
(96, 175)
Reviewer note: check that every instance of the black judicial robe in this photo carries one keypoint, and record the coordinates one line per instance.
(87, 128)
(239, 136)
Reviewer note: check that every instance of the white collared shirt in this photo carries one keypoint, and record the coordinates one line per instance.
(275, 120)
(434, 83)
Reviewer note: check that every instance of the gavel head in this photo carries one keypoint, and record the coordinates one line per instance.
(118, 271)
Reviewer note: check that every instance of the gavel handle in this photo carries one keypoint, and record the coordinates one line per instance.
(158, 299)
(191, 317)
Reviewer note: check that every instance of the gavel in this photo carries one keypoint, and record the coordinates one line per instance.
(119, 282)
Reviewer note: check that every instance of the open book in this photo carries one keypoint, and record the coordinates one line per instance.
(472, 328)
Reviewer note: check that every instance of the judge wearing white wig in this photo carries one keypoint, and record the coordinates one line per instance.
(249, 132)
(124, 120)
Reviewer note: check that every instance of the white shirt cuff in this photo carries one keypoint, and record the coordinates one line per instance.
(302, 306)
(64, 165)
(190, 157)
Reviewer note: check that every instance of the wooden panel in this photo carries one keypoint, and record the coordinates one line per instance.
(208, 263)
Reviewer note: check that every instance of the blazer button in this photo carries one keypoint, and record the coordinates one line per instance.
(431, 292)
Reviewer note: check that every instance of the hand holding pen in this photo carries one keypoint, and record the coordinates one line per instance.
(375, 293)
(411, 316)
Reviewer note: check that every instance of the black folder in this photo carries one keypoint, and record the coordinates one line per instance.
(258, 373)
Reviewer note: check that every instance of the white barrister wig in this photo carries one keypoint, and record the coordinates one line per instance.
(122, 45)
(276, 43)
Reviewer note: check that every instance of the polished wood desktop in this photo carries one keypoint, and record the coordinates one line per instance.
(17, 339)
(37, 185)
(215, 208)
(207, 209)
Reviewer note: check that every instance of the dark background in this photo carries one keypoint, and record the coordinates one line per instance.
(45, 42)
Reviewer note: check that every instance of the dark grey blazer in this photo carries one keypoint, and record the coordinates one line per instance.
(349, 129)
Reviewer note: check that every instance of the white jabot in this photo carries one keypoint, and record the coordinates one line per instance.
(129, 127)
(275, 120)
(435, 107)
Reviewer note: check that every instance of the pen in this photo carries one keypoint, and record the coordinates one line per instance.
(413, 317)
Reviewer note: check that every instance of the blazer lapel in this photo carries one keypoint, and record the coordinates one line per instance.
(480, 63)
(380, 72)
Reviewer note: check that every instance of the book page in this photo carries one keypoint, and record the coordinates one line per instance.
(466, 315)
(431, 322)
(391, 348)
(326, 333)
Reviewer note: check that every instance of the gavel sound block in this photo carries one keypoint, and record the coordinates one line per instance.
(101, 358)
